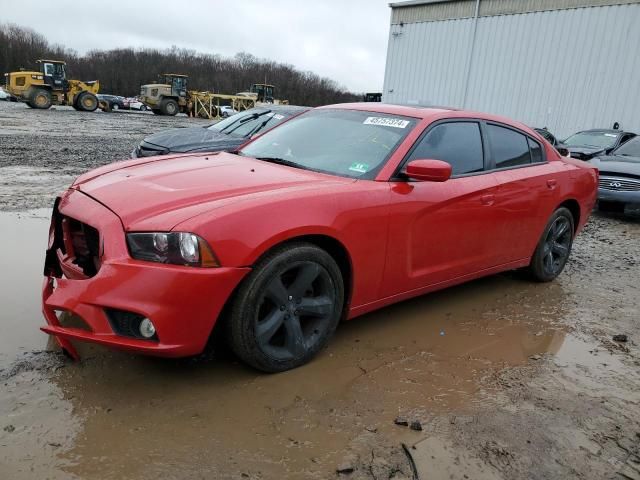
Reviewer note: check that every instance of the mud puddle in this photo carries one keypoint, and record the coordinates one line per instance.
(116, 415)
(22, 243)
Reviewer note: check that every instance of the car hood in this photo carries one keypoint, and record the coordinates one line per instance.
(182, 140)
(585, 151)
(160, 192)
(617, 164)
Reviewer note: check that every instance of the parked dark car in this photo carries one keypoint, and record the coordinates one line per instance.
(592, 143)
(619, 183)
(225, 135)
(115, 102)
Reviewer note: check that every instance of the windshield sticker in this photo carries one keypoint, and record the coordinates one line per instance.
(359, 167)
(610, 135)
(277, 116)
(386, 122)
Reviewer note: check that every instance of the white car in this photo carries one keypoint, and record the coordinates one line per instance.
(227, 111)
(134, 104)
(6, 96)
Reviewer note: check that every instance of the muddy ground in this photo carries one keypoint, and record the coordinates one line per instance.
(507, 379)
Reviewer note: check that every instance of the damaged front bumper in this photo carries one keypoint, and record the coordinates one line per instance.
(91, 278)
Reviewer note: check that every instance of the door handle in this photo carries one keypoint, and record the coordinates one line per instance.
(552, 183)
(488, 199)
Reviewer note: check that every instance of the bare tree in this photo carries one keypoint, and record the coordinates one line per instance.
(121, 71)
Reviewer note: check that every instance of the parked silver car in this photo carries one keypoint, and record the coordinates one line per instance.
(619, 177)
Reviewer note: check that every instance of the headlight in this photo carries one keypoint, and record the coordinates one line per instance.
(177, 248)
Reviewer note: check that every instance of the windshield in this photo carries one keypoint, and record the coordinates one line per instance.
(348, 143)
(592, 139)
(249, 123)
(629, 149)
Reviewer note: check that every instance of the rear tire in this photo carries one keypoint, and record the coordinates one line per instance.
(554, 247)
(40, 99)
(114, 107)
(169, 107)
(288, 307)
(87, 102)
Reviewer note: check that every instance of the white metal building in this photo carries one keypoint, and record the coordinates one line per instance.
(564, 64)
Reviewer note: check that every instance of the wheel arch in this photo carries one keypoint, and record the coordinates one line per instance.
(330, 244)
(574, 207)
(334, 247)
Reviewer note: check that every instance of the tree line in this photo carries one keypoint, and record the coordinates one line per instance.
(122, 71)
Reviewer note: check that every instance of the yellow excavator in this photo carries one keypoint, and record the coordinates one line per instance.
(50, 86)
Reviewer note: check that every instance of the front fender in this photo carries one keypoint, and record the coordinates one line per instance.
(355, 215)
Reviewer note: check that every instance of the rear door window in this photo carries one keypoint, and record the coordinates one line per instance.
(509, 148)
(536, 151)
(457, 143)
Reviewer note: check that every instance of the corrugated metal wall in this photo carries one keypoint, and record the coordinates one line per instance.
(564, 69)
(411, 12)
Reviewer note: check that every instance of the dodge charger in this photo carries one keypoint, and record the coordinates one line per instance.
(340, 211)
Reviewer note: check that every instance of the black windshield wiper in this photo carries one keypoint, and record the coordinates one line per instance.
(280, 161)
(242, 122)
(259, 127)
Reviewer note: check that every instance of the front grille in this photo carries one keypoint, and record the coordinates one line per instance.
(78, 242)
(619, 184)
(85, 241)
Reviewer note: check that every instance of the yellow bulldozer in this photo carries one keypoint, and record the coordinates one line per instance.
(50, 86)
(170, 96)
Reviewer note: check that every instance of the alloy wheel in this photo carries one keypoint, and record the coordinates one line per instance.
(557, 246)
(295, 310)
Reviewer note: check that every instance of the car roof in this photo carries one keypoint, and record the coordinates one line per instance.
(429, 113)
(391, 109)
(282, 108)
(602, 130)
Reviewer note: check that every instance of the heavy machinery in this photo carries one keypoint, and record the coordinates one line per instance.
(171, 96)
(50, 86)
(263, 94)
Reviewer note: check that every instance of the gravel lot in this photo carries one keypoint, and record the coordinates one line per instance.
(501, 378)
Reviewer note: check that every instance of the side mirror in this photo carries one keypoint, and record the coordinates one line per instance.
(428, 170)
(564, 151)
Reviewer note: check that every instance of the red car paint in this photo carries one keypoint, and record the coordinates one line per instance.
(402, 238)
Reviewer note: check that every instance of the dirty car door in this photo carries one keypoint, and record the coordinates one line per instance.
(441, 230)
(526, 194)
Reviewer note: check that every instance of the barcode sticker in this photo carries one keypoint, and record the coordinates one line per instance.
(386, 122)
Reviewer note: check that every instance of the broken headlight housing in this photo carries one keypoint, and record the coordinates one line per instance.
(177, 248)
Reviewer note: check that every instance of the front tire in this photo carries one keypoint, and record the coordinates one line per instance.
(87, 102)
(169, 107)
(40, 99)
(287, 309)
(554, 247)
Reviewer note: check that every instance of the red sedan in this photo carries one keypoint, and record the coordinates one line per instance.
(336, 213)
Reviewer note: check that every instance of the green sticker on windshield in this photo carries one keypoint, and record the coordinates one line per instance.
(359, 167)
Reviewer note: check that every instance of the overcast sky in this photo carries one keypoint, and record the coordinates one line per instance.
(345, 40)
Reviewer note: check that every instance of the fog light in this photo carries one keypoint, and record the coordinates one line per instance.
(147, 330)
